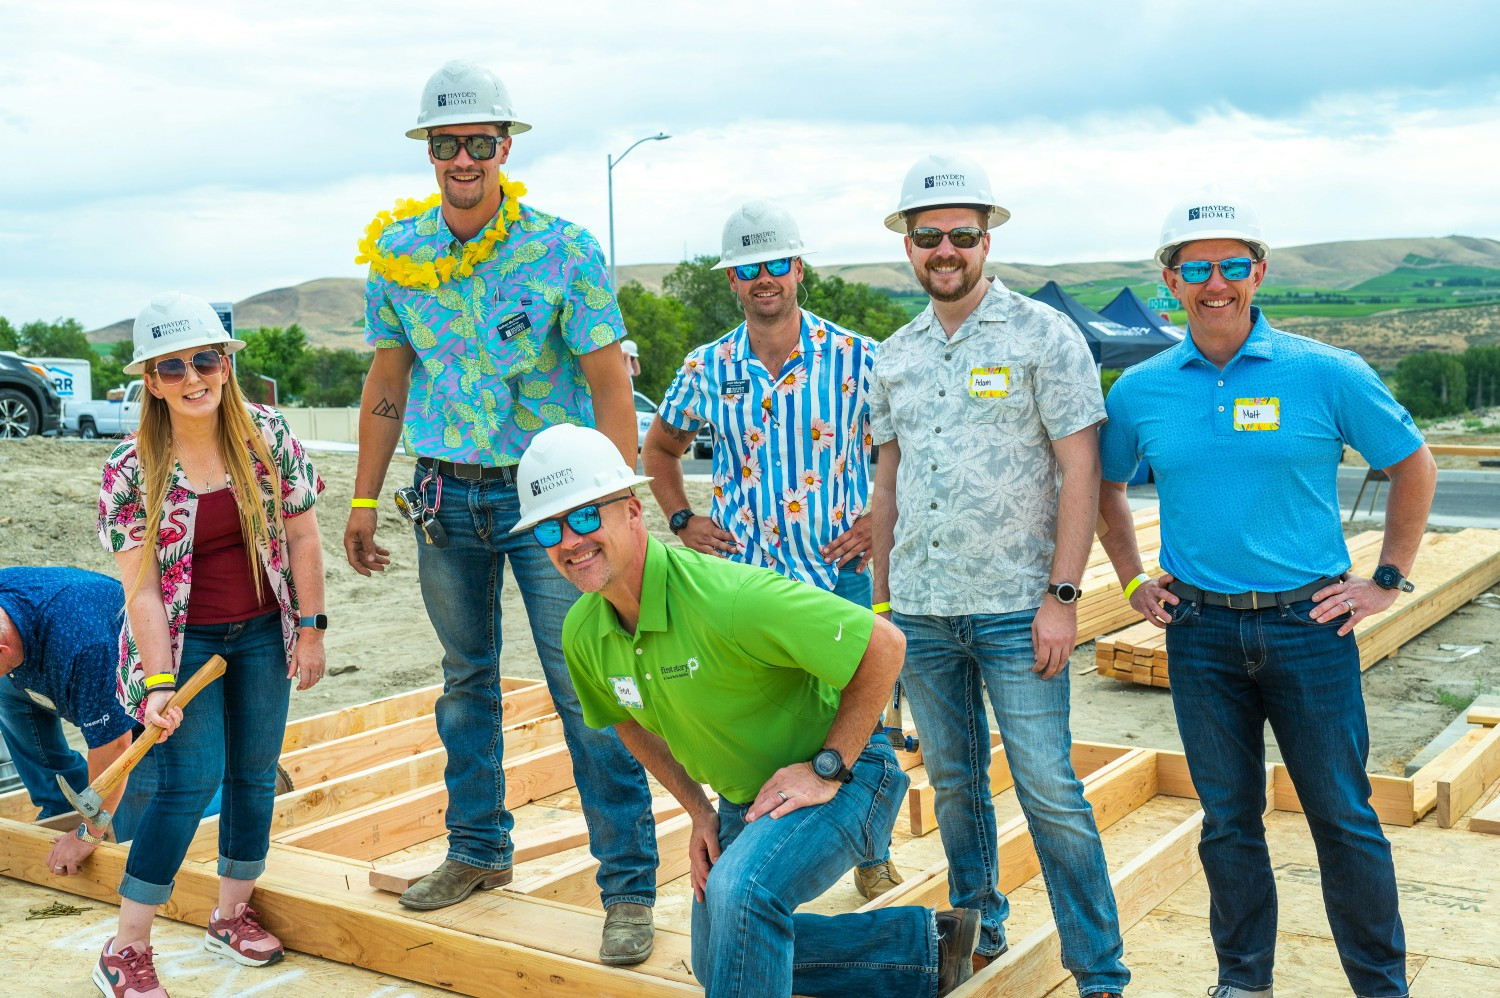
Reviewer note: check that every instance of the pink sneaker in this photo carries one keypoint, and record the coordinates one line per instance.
(127, 974)
(242, 939)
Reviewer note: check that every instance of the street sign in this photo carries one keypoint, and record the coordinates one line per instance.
(226, 314)
(1162, 291)
(1163, 304)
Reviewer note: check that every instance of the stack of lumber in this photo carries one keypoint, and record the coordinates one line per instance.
(1450, 570)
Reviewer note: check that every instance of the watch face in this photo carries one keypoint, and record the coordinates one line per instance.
(1385, 576)
(827, 763)
(680, 519)
(1065, 592)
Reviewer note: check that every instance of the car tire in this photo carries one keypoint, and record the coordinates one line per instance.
(87, 430)
(18, 415)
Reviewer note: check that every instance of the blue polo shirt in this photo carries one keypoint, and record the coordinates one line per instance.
(1246, 459)
(69, 622)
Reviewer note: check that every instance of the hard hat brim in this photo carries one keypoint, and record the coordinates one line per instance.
(139, 366)
(896, 220)
(565, 503)
(420, 132)
(1165, 251)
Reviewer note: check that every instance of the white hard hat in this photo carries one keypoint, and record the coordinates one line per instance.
(939, 180)
(464, 93)
(566, 466)
(759, 231)
(175, 321)
(630, 348)
(1210, 216)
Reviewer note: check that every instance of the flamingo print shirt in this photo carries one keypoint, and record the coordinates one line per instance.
(497, 352)
(122, 526)
(791, 463)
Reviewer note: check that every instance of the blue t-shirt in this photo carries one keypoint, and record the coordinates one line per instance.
(1246, 459)
(69, 623)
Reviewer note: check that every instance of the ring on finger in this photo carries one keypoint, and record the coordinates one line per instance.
(783, 796)
(1350, 604)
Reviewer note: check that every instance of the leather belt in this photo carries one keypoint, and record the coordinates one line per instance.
(470, 472)
(1248, 601)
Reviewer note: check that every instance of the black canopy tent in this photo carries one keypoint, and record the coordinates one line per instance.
(1112, 344)
(1128, 310)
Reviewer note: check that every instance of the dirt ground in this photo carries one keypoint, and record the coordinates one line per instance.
(380, 641)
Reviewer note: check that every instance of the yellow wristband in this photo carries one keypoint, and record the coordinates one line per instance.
(161, 677)
(1135, 582)
(364, 503)
(881, 608)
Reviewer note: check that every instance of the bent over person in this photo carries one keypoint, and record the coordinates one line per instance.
(491, 320)
(767, 690)
(1244, 427)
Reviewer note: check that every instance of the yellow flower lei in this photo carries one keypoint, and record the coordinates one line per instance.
(431, 275)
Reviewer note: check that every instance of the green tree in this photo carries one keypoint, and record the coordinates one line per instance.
(1483, 366)
(62, 338)
(8, 340)
(332, 377)
(660, 326)
(710, 306)
(1432, 384)
(272, 352)
(107, 370)
(855, 306)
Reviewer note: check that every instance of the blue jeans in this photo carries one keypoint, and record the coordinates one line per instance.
(950, 662)
(230, 735)
(461, 587)
(1232, 671)
(748, 941)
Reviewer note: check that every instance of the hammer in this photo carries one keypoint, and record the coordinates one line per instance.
(90, 803)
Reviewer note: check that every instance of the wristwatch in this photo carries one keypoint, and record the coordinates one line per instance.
(318, 621)
(680, 519)
(830, 766)
(1390, 577)
(83, 833)
(1065, 592)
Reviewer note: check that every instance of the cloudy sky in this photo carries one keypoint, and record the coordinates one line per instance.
(229, 148)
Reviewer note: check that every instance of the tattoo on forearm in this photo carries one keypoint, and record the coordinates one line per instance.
(681, 436)
(387, 409)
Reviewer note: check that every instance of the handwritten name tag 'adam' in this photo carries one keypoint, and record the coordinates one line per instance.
(989, 382)
(1257, 414)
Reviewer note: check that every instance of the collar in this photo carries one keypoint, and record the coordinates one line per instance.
(653, 596)
(991, 308)
(741, 338)
(1259, 344)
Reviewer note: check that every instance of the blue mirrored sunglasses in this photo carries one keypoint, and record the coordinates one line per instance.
(776, 268)
(1235, 268)
(583, 520)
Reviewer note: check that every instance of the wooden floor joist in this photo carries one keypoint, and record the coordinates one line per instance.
(1464, 782)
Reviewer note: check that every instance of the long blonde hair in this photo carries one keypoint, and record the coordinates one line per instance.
(153, 449)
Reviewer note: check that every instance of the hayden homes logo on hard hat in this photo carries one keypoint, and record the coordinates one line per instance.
(944, 180)
(170, 328)
(758, 238)
(461, 97)
(549, 482)
(1225, 211)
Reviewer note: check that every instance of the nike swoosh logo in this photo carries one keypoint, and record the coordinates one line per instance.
(840, 635)
(114, 977)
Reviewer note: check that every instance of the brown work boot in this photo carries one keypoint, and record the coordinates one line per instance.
(628, 934)
(873, 881)
(958, 934)
(450, 883)
(981, 961)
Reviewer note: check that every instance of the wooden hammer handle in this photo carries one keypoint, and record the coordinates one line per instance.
(121, 767)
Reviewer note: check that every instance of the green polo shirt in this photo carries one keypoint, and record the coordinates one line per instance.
(737, 668)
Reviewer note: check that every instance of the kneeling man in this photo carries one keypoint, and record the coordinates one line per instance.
(767, 690)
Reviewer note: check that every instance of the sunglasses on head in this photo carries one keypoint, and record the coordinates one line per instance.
(1235, 268)
(171, 370)
(583, 520)
(963, 237)
(445, 147)
(776, 268)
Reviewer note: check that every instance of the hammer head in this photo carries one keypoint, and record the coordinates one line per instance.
(88, 803)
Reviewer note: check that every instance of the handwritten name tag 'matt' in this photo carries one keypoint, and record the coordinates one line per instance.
(1257, 414)
(989, 382)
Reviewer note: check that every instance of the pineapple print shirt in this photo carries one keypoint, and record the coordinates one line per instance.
(497, 353)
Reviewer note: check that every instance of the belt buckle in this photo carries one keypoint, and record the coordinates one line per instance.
(1238, 601)
(468, 472)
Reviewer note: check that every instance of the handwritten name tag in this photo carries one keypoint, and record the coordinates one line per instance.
(989, 382)
(1257, 414)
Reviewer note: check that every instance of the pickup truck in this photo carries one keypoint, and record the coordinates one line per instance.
(106, 418)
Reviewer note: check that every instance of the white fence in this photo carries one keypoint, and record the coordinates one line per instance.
(340, 425)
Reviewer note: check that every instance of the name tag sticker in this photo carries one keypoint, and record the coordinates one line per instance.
(989, 382)
(513, 324)
(626, 692)
(1257, 414)
(737, 387)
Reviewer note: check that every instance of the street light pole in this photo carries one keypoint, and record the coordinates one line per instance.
(613, 162)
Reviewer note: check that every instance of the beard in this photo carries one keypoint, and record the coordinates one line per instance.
(464, 197)
(954, 286)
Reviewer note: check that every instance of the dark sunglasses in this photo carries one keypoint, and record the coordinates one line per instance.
(171, 370)
(583, 520)
(445, 147)
(963, 237)
(776, 268)
(1235, 268)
